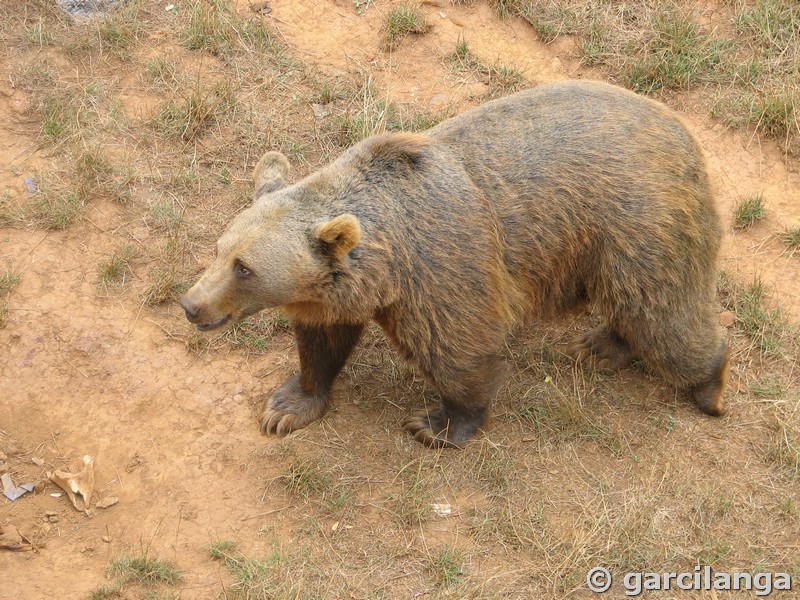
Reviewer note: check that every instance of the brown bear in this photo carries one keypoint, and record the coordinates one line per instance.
(526, 206)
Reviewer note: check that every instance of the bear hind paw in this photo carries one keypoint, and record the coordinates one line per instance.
(601, 350)
(435, 430)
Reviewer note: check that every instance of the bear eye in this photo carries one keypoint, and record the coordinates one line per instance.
(241, 270)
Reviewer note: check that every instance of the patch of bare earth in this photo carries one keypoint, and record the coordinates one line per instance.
(140, 132)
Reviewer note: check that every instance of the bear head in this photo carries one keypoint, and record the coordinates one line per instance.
(278, 252)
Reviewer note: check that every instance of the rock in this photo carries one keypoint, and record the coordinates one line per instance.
(727, 319)
(87, 8)
(107, 502)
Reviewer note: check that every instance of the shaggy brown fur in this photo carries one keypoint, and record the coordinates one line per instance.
(526, 206)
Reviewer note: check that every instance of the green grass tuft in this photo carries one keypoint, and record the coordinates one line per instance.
(765, 326)
(400, 22)
(188, 118)
(8, 280)
(749, 211)
(145, 570)
(677, 53)
(446, 566)
(117, 269)
(307, 479)
(791, 237)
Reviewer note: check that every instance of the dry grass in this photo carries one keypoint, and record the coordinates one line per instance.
(498, 78)
(745, 62)
(763, 324)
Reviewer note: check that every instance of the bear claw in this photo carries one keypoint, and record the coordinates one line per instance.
(290, 408)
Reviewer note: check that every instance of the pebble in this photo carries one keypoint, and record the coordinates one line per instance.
(727, 319)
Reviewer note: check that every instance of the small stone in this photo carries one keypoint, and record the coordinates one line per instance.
(37, 461)
(439, 100)
(107, 502)
(52, 518)
(727, 319)
(106, 539)
(320, 112)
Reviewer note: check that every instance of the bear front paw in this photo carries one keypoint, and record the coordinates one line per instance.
(290, 408)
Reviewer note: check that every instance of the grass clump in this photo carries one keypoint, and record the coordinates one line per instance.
(116, 270)
(118, 35)
(166, 285)
(499, 79)
(188, 118)
(783, 449)
(145, 570)
(748, 211)
(8, 280)
(307, 479)
(771, 24)
(53, 209)
(413, 503)
(161, 72)
(764, 326)
(217, 29)
(677, 54)
(108, 591)
(165, 216)
(264, 578)
(791, 238)
(60, 116)
(255, 333)
(447, 567)
(400, 22)
(39, 35)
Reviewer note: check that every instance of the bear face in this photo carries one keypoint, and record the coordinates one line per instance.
(270, 255)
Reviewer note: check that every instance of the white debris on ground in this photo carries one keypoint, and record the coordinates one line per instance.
(87, 8)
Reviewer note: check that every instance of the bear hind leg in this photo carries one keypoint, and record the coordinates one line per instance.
(463, 409)
(601, 349)
(687, 350)
(303, 398)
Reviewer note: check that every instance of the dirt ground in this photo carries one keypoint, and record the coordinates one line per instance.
(172, 423)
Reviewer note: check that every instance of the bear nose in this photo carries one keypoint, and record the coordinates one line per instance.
(190, 308)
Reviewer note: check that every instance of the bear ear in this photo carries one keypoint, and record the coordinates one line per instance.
(270, 174)
(339, 235)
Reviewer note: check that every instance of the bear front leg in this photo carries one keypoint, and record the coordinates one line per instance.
(465, 403)
(303, 398)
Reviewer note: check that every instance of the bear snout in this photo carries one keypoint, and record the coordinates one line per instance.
(190, 308)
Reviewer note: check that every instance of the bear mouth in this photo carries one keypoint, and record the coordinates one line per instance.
(218, 323)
